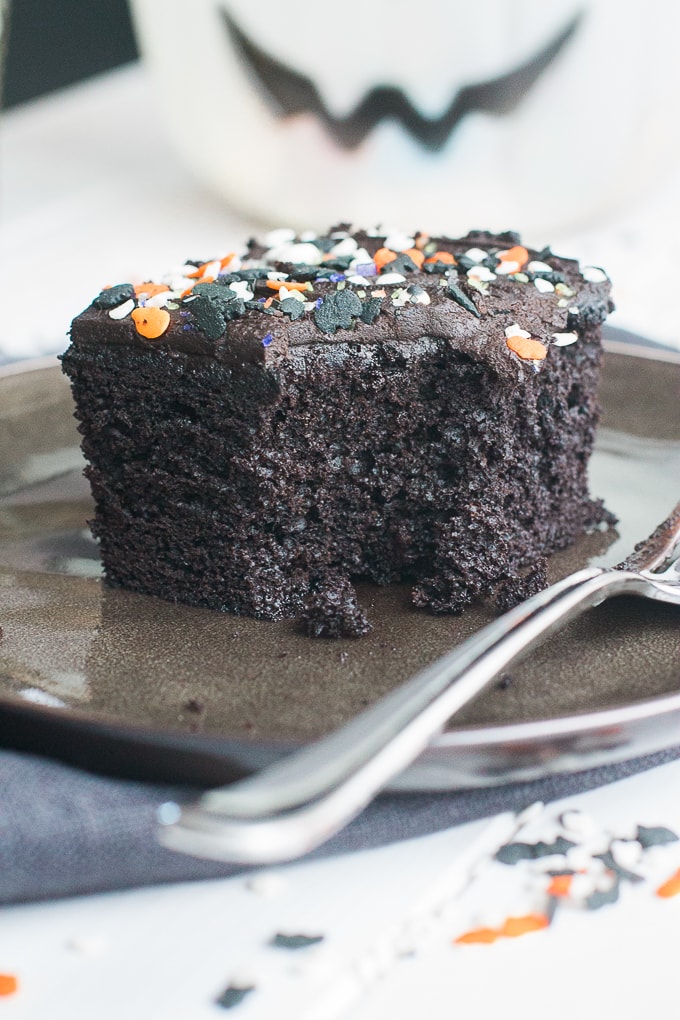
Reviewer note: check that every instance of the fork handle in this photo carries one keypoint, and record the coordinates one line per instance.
(293, 806)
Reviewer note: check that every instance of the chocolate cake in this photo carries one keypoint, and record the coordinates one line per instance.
(264, 429)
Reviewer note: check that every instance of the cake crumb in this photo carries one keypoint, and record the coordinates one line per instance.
(332, 610)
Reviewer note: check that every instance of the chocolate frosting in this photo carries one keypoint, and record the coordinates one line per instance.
(547, 295)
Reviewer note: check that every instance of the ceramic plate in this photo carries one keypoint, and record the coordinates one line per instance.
(135, 686)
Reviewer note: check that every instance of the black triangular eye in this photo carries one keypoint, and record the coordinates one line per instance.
(292, 93)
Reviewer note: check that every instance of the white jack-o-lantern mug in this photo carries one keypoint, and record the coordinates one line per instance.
(439, 114)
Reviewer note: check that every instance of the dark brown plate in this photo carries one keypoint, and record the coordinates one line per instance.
(132, 685)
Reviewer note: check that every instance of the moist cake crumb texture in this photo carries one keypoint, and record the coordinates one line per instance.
(263, 429)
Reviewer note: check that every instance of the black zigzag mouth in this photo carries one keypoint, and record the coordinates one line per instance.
(293, 93)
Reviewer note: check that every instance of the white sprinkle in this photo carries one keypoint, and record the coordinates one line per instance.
(577, 821)
(304, 253)
(168, 813)
(159, 300)
(476, 254)
(575, 310)
(390, 278)
(361, 280)
(564, 339)
(212, 268)
(361, 258)
(122, 310)
(520, 277)
(626, 853)
(337, 235)
(539, 267)
(295, 294)
(242, 289)
(516, 330)
(309, 235)
(277, 276)
(480, 273)
(400, 297)
(347, 246)
(398, 242)
(422, 298)
(266, 884)
(481, 285)
(310, 305)
(582, 886)
(283, 235)
(593, 274)
(507, 268)
(543, 286)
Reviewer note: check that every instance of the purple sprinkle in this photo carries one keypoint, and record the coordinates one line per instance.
(318, 302)
(336, 277)
(267, 340)
(188, 327)
(262, 300)
(366, 269)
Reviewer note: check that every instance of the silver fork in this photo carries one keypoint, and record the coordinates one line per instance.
(295, 805)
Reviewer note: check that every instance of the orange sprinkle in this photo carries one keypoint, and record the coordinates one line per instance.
(9, 984)
(671, 887)
(227, 259)
(515, 926)
(416, 256)
(150, 289)
(269, 302)
(526, 348)
(151, 322)
(478, 935)
(383, 256)
(560, 886)
(288, 284)
(517, 254)
(442, 256)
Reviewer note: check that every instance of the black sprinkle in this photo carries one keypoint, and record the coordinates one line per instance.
(337, 311)
(209, 317)
(437, 267)
(295, 941)
(511, 853)
(247, 275)
(504, 681)
(370, 310)
(464, 262)
(655, 836)
(217, 291)
(233, 996)
(114, 296)
(610, 862)
(603, 898)
(402, 264)
(454, 291)
(553, 277)
(544, 254)
(292, 307)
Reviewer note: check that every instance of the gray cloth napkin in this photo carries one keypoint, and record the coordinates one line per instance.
(64, 831)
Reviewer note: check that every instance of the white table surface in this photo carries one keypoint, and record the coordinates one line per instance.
(71, 174)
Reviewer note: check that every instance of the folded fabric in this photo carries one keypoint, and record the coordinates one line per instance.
(64, 831)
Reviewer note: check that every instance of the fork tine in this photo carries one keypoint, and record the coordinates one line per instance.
(660, 549)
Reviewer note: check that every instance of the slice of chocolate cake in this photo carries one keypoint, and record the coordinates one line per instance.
(262, 429)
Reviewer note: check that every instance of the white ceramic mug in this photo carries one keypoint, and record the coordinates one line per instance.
(439, 115)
